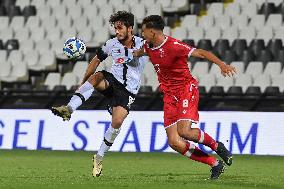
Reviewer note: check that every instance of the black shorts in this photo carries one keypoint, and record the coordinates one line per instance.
(117, 93)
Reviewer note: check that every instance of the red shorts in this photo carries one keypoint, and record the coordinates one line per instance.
(181, 106)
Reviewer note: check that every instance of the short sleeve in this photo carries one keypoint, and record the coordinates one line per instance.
(183, 49)
(104, 51)
(106, 48)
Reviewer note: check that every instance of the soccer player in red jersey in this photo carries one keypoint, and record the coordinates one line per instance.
(169, 57)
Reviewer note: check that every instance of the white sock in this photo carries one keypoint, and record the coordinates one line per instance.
(109, 138)
(86, 91)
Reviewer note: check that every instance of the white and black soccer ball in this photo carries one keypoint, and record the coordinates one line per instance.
(74, 48)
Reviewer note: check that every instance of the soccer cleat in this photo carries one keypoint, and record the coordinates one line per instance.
(97, 165)
(62, 111)
(224, 153)
(217, 170)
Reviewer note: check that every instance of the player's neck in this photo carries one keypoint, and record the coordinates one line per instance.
(127, 42)
(159, 40)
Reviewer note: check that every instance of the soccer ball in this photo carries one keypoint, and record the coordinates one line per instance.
(74, 48)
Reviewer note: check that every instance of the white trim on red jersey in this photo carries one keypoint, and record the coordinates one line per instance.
(190, 52)
(154, 48)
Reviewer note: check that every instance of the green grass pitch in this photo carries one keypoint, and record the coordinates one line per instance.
(60, 169)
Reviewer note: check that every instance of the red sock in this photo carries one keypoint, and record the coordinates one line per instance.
(207, 140)
(194, 153)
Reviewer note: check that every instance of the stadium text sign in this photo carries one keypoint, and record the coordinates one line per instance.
(242, 132)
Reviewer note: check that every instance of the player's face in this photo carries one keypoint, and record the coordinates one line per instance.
(147, 34)
(121, 31)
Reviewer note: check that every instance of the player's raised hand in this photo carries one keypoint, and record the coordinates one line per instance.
(228, 70)
(139, 52)
(136, 53)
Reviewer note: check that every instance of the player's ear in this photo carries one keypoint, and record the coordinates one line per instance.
(153, 33)
(130, 29)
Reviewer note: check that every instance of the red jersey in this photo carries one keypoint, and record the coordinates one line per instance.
(170, 62)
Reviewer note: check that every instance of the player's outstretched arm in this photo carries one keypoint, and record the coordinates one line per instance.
(91, 69)
(226, 70)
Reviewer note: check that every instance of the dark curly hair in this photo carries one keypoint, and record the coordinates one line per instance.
(127, 18)
(154, 21)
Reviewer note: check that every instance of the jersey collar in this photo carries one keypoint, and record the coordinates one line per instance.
(165, 40)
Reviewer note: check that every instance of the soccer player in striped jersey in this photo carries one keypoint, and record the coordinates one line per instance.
(120, 85)
(169, 57)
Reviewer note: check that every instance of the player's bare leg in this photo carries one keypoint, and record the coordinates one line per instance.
(118, 116)
(191, 151)
(95, 82)
(196, 135)
(186, 148)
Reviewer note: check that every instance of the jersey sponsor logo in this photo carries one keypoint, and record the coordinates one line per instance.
(120, 60)
(116, 51)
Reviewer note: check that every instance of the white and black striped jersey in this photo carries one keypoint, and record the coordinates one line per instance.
(125, 68)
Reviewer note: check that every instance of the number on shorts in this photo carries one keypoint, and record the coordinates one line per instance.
(185, 103)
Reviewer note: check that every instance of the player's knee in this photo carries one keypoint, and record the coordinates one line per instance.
(185, 132)
(173, 143)
(182, 131)
(96, 78)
